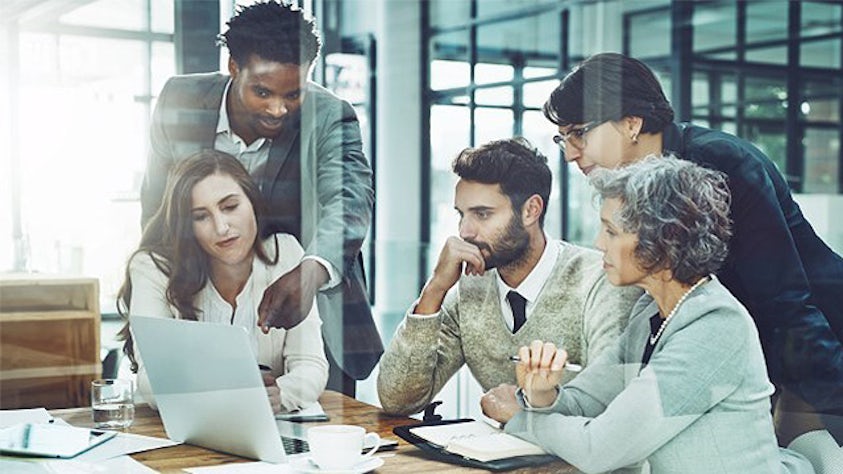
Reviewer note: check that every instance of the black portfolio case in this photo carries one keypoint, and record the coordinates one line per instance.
(438, 453)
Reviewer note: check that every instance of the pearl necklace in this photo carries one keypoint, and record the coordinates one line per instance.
(655, 338)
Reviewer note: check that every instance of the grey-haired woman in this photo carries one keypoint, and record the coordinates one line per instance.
(686, 387)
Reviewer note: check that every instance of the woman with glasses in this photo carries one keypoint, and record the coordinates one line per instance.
(611, 111)
(685, 386)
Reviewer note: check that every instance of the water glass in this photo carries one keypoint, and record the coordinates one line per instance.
(112, 403)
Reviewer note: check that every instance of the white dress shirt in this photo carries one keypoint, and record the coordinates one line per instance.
(255, 157)
(296, 356)
(532, 285)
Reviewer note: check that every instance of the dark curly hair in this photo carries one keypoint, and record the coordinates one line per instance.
(515, 164)
(273, 31)
(679, 210)
(610, 86)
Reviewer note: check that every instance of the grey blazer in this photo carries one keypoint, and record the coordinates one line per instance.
(701, 404)
(317, 186)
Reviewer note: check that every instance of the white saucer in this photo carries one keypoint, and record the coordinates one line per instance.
(304, 464)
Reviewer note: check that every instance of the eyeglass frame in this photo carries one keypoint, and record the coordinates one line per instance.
(562, 139)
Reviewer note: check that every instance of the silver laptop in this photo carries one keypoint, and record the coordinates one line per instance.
(208, 386)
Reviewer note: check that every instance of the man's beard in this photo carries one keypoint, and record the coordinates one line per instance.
(509, 248)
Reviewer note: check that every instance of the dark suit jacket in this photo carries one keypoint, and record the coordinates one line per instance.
(317, 185)
(786, 276)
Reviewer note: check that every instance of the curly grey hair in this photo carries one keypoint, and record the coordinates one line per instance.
(679, 210)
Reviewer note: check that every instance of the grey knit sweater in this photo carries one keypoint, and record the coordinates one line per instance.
(577, 306)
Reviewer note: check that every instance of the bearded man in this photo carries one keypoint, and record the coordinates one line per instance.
(500, 285)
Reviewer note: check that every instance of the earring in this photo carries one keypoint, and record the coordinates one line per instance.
(634, 138)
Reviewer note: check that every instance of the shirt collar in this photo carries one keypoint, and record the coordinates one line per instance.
(532, 286)
(224, 126)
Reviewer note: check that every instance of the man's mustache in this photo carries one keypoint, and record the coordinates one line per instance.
(480, 245)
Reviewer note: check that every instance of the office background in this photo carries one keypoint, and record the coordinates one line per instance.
(79, 78)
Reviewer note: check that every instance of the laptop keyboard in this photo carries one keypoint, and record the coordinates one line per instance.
(295, 446)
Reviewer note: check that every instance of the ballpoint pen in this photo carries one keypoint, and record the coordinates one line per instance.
(568, 366)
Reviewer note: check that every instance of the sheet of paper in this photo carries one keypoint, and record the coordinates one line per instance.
(122, 464)
(444, 434)
(124, 443)
(26, 415)
(258, 467)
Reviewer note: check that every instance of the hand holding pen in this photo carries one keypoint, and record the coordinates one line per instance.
(539, 371)
(570, 367)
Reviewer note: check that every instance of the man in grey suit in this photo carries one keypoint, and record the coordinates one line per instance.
(302, 146)
(501, 284)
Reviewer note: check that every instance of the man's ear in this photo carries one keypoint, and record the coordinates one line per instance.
(233, 68)
(531, 211)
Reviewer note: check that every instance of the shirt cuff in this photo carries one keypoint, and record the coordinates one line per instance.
(412, 312)
(333, 275)
(525, 404)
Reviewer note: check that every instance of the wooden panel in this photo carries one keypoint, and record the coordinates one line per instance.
(45, 293)
(49, 340)
(63, 391)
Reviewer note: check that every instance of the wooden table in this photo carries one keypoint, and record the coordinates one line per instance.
(342, 410)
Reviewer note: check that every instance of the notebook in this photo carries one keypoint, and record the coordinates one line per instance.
(208, 386)
(477, 440)
(471, 443)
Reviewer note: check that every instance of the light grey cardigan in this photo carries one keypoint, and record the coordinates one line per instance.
(701, 404)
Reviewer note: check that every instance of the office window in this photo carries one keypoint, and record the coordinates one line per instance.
(715, 29)
(647, 32)
(449, 134)
(535, 94)
(535, 129)
(824, 54)
(123, 15)
(492, 124)
(490, 8)
(820, 18)
(822, 168)
(821, 100)
(495, 96)
(488, 73)
(502, 96)
(451, 67)
(765, 98)
(764, 23)
(84, 93)
(448, 13)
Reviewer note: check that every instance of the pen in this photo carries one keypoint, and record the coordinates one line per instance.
(568, 366)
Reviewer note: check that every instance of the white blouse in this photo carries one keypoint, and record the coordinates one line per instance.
(296, 356)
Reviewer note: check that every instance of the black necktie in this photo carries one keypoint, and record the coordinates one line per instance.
(519, 306)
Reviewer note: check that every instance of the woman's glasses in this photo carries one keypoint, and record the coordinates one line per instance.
(575, 137)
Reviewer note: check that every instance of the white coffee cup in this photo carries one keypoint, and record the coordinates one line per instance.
(339, 446)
